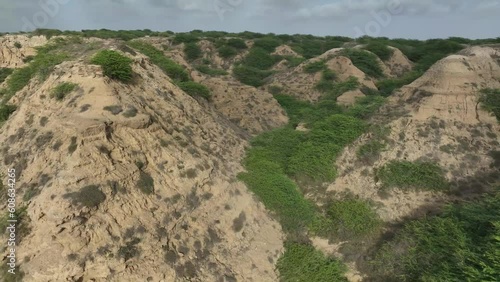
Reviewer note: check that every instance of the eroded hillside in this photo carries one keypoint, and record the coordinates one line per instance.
(242, 157)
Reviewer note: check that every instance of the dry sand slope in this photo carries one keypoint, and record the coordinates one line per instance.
(199, 224)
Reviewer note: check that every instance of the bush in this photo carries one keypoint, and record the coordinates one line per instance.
(114, 65)
(490, 100)
(62, 89)
(349, 219)
(417, 175)
(259, 58)
(462, 244)
(267, 43)
(192, 51)
(315, 67)
(195, 89)
(6, 111)
(387, 86)
(185, 38)
(4, 73)
(365, 61)
(210, 71)
(146, 183)
(379, 49)
(370, 151)
(227, 52)
(251, 76)
(89, 196)
(169, 67)
(18, 45)
(303, 263)
(294, 61)
(237, 43)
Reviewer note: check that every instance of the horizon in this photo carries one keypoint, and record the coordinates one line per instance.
(408, 19)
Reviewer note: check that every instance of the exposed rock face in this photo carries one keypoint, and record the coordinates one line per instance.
(12, 56)
(285, 50)
(197, 224)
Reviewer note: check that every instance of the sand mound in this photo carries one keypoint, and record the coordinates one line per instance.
(12, 56)
(198, 224)
(349, 97)
(285, 50)
(344, 68)
(398, 64)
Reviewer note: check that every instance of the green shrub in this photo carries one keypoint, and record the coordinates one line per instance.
(210, 71)
(89, 196)
(251, 76)
(328, 74)
(366, 106)
(195, 89)
(350, 218)
(192, 51)
(387, 86)
(227, 52)
(5, 111)
(267, 43)
(379, 49)
(259, 58)
(315, 67)
(365, 61)
(303, 263)
(114, 65)
(4, 73)
(185, 38)
(294, 61)
(169, 67)
(314, 161)
(146, 183)
(417, 175)
(237, 43)
(490, 100)
(63, 89)
(462, 244)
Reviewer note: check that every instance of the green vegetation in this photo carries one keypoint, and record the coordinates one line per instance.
(251, 76)
(185, 38)
(365, 61)
(227, 52)
(210, 71)
(379, 49)
(462, 244)
(195, 89)
(369, 152)
(72, 146)
(146, 183)
(490, 100)
(114, 65)
(89, 196)
(303, 263)
(260, 58)
(18, 45)
(4, 73)
(169, 67)
(192, 51)
(315, 67)
(237, 43)
(5, 111)
(348, 219)
(63, 89)
(267, 43)
(417, 175)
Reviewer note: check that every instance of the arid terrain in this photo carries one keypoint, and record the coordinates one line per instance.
(226, 157)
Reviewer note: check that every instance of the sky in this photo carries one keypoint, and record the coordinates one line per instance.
(418, 19)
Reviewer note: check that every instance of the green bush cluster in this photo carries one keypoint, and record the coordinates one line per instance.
(62, 89)
(490, 100)
(237, 43)
(185, 38)
(303, 263)
(365, 61)
(195, 89)
(267, 43)
(251, 76)
(260, 58)
(210, 71)
(227, 52)
(192, 51)
(416, 175)
(462, 244)
(348, 219)
(5, 111)
(114, 65)
(315, 67)
(379, 49)
(4, 73)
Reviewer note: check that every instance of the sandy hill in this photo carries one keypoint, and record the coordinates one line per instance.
(437, 118)
(162, 167)
(16, 49)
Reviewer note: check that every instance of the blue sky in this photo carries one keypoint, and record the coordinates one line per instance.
(393, 18)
